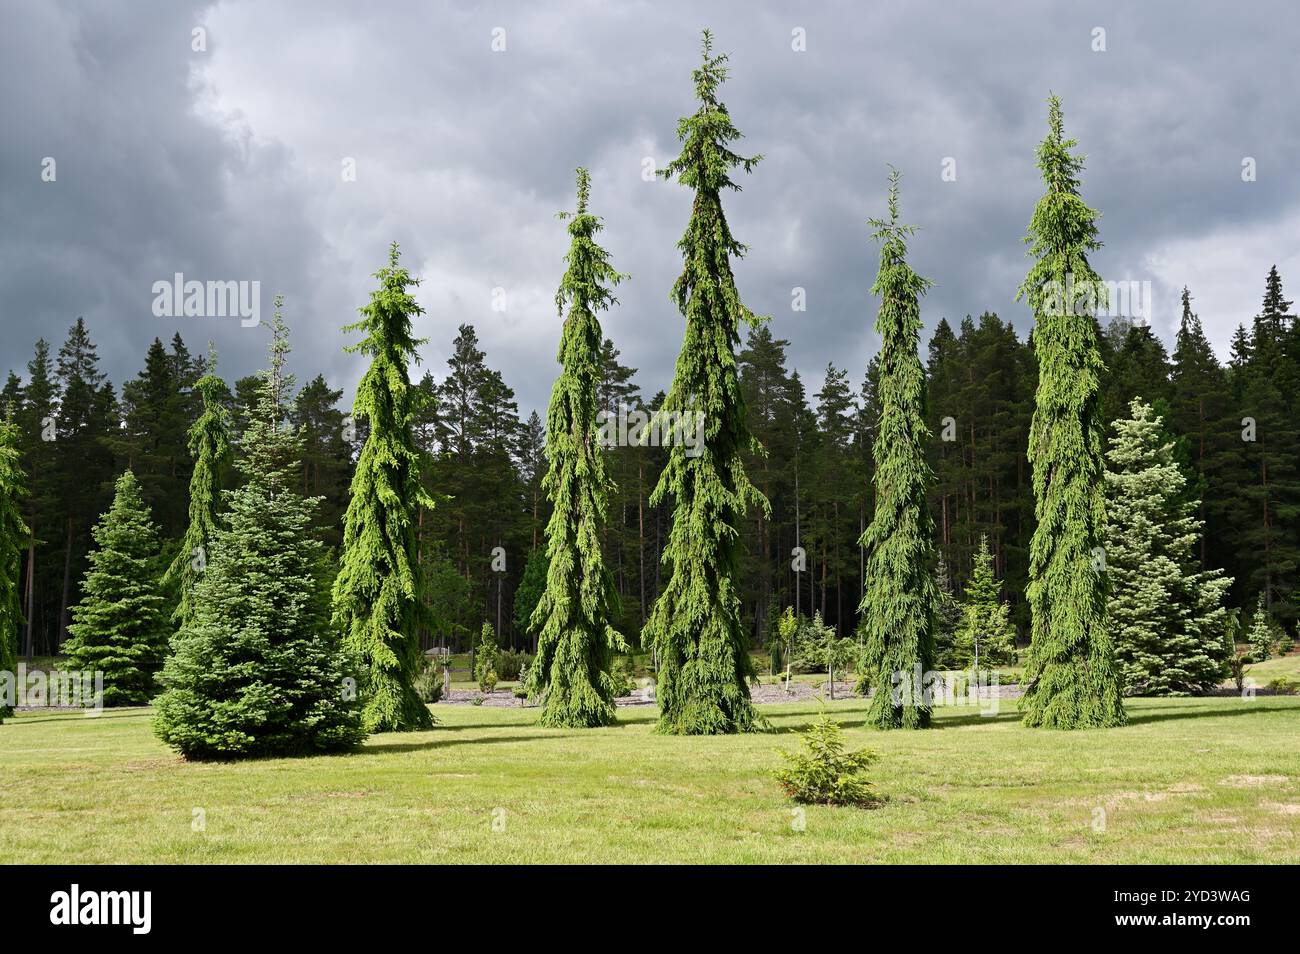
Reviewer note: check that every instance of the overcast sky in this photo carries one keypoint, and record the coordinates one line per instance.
(228, 162)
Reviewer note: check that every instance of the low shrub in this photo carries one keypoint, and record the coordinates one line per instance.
(824, 774)
(624, 677)
(1283, 686)
(428, 681)
(510, 665)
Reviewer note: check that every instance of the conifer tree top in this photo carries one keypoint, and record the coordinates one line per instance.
(588, 280)
(705, 162)
(1063, 229)
(895, 274)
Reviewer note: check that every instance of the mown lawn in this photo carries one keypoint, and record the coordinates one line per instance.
(1191, 780)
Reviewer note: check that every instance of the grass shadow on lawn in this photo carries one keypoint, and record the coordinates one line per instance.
(68, 715)
(1136, 717)
(442, 743)
(1196, 712)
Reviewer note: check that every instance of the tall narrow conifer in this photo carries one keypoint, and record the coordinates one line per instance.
(575, 642)
(1072, 680)
(695, 626)
(899, 604)
(378, 594)
(209, 443)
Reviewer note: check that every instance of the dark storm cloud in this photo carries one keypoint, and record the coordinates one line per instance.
(227, 164)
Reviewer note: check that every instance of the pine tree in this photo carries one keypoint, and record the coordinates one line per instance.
(529, 592)
(1167, 614)
(1071, 680)
(532, 466)
(1262, 635)
(576, 641)
(485, 658)
(258, 670)
(898, 608)
(987, 637)
(13, 542)
(1199, 412)
(87, 409)
(695, 626)
(119, 627)
(765, 385)
(1137, 365)
(35, 418)
(833, 525)
(1263, 484)
(151, 441)
(378, 597)
(209, 445)
(949, 619)
(326, 455)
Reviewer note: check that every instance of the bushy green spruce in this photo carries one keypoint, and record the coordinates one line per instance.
(209, 442)
(119, 628)
(987, 637)
(259, 670)
(575, 641)
(1263, 633)
(13, 540)
(485, 658)
(378, 594)
(898, 605)
(824, 774)
(1071, 678)
(695, 627)
(1166, 614)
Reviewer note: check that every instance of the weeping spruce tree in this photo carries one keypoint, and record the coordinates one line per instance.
(695, 627)
(899, 604)
(13, 540)
(1071, 679)
(209, 439)
(575, 642)
(378, 595)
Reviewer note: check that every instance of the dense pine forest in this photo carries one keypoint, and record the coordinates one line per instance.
(1233, 425)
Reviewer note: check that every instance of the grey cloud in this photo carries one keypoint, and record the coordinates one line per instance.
(228, 165)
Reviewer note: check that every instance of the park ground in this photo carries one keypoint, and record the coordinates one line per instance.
(1203, 780)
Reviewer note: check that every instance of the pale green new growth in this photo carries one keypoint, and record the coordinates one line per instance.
(575, 641)
(695, 626)
(899, 604)
(209, 442)
(1071, 680)
(378, 593)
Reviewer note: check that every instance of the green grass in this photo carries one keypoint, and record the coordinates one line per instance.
(1278, 666)
(1191, 780)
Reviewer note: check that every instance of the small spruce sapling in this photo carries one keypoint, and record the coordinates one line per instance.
(825, 774)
